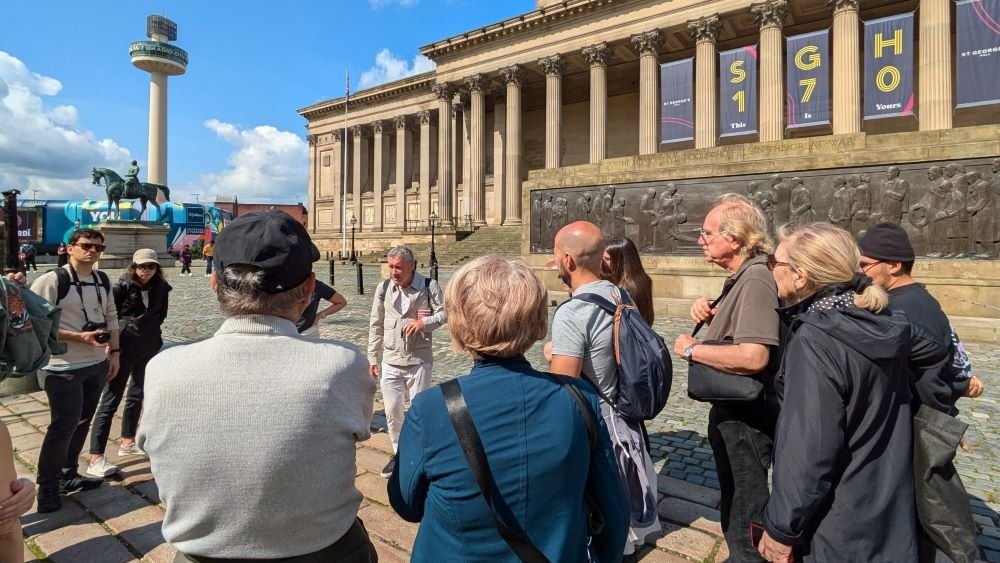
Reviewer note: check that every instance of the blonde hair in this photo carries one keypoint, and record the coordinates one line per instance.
(743, 221)
(496, 307)
(828, 255)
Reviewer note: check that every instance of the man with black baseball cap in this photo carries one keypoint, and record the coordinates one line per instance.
(226, 410)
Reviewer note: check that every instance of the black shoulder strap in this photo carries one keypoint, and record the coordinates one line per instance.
(581, 403)
(382, 289)
(62, 277)
(726, 288)
(601, 302)
(105, 281)
(427, 290)
(468, 438)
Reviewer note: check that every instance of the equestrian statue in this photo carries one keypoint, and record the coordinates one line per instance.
(128, 188)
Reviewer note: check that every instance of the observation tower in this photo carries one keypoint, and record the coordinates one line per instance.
(160, 59)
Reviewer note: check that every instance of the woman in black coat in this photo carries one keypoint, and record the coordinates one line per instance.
(843, 472)
(141, 299)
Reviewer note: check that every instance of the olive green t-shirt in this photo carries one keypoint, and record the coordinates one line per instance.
(749, 312)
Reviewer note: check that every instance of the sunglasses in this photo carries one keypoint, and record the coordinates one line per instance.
(88, 246)
(149, 266)
(773, 263)
(865, 266)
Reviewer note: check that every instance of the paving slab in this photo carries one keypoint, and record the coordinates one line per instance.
(77, 543)
(689, 514)
(384, 523)
(372, 459)
(684, 541)
(373, 487)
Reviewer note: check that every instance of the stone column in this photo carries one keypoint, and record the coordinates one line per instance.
(476, 190)
(444, 92)
(553, 68)
(465, 136)
(313, 181)
(499, 154)
(936, 107)
(512, 76)
(704, 32)
(597, 57)
(648, 46)
(404, 166)
(337, 162)
(770, 16)
(425, 164)
(846, 67)
(360, 133)
(380, 175)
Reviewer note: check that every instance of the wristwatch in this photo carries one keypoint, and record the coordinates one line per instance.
(118, 351)
(689, 351)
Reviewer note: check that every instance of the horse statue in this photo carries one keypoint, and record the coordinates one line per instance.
(118, 189)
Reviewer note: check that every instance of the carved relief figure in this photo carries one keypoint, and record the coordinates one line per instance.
(861, 203)
(958, 231)
(802, 211)
(781, 191)
(932, 211)
(605, 202)
(981, 205)
(583, 205)
(840, 208)
(560, 211)
(547, 220)
(763, 200)
(895, 190)
(668, 216)
(619, 219)
(647, 214)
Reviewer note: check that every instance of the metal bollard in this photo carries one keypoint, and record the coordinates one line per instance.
(361, 279)
(332, 282)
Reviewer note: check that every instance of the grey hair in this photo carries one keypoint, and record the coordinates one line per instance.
(240, 291)
(403, 252)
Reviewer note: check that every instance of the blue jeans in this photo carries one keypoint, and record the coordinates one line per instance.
(208, 265)
(742, 439)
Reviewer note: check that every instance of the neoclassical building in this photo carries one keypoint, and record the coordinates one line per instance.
(572, 111)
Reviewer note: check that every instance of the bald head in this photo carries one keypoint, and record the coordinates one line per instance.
(583, 241)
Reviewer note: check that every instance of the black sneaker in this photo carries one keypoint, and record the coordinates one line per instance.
(389, 467)
(48, 500)
(78, 483)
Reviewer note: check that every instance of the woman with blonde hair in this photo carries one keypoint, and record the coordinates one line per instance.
(843, 473)
(533, 432)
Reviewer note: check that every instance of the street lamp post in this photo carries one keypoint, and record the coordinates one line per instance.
(434, 261)
(354, 256)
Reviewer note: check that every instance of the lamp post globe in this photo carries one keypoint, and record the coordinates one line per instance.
(354, 256)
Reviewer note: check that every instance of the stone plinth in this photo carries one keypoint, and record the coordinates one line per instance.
(123, 238)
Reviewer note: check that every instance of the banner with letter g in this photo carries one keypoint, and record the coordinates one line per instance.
(808, 79)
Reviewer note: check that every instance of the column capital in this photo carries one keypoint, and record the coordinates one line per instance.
(705, 28)
(597, 55)
(359, 131)
(552, 65)
(424, 117)
(647, 43)
(401, 121)
(311, 139)
(443, 91)
(770, 14)
(843, 5)
(337, 135)
(512, 75)
(477, 83)
(456, 109)
(377, 126)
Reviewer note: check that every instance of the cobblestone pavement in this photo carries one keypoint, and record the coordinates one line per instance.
(121, 522)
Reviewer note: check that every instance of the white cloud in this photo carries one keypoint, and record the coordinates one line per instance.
(379, 4)
(388, 68)
(267, 166)
(42, 146)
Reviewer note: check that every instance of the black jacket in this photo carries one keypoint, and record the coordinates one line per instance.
(140, 325)
(843, 477)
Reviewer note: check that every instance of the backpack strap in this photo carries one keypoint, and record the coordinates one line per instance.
(62, 276)
(611, 309)
(472, 446)
(383, 287)
(427, 290)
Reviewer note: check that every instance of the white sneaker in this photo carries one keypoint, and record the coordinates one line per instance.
(102, 468)
(134, 449)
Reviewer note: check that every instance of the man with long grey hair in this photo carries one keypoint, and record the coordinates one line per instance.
(406, 309)
(219, 414)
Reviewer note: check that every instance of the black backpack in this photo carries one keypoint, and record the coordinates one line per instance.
(66, 281)
(645, 370)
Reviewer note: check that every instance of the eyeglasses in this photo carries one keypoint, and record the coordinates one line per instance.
(702, 234)
(773, 263)
(149, 266)
(865, 266)
(88, 246)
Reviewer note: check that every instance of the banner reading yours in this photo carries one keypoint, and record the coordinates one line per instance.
(978, 35)
(889, 67)
(808, 79)
(676, 109)
(738, 91)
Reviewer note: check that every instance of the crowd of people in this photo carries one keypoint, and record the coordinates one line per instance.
(856, 366)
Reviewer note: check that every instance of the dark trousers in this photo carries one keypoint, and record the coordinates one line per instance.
(30, 263)
(742, 439)
(208, 265)
(133, 368)
(185, 267)
(73, 397)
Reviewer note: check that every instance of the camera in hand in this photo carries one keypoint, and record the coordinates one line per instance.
(102, 336)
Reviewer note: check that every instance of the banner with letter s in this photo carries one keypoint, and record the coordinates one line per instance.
(738, 91)
(676, 106)
(808, 79)
(889, 66)
(978, 58)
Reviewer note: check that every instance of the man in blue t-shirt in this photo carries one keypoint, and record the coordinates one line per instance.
(308, 323)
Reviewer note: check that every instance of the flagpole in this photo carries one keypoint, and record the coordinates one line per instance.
(343, 215)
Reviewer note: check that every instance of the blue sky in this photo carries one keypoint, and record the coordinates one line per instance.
(71, 100)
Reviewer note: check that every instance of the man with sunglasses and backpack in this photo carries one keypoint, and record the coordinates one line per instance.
(73, 381)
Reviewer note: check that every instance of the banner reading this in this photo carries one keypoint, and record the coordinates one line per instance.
(738, 91)
(889, 67)
(978, 59)
(676, 107)
(808, 79)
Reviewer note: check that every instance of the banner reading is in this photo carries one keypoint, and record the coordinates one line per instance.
(676, 107)
(978, 60)
(738, 91)
(889, 67)
(808, 79)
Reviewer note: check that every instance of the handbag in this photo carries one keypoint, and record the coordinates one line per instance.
(710, 385)
(475, 455)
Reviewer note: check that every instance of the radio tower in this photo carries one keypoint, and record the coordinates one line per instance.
(160, 59)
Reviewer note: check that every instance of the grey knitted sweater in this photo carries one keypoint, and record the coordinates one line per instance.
(251, 435)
